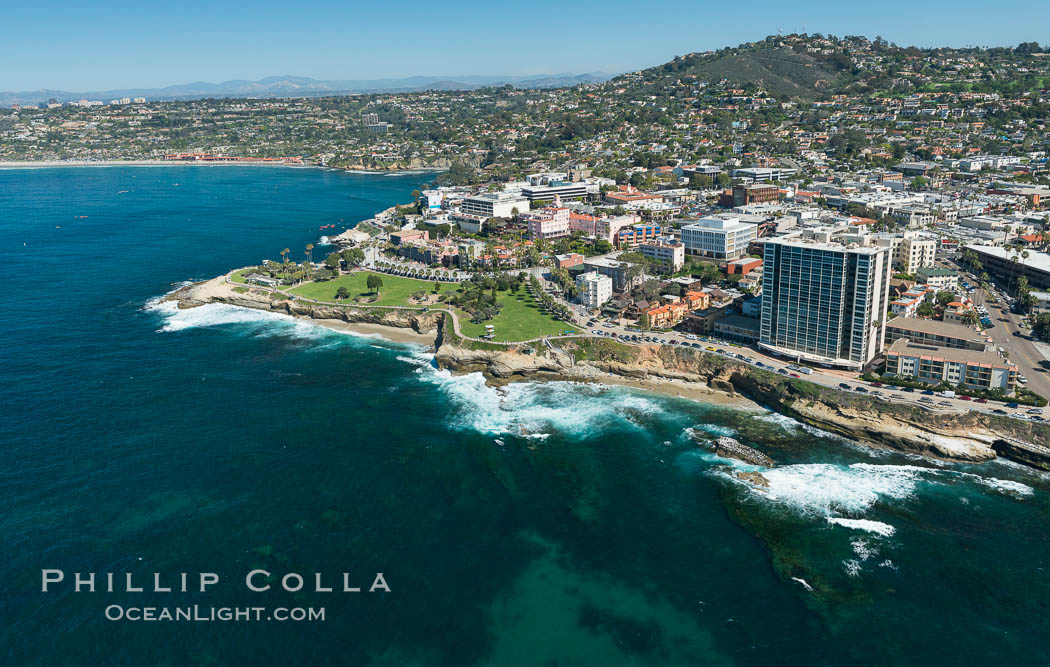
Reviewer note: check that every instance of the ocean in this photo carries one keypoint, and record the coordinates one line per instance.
(537, 524)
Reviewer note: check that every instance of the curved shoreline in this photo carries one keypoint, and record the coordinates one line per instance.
(685, 373)
(49, 164)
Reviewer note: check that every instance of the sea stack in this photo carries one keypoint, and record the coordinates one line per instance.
(732, 448)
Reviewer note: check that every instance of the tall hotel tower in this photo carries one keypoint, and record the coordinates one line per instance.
(824, 302)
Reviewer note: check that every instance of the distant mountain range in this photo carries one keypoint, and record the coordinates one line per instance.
(295, 86)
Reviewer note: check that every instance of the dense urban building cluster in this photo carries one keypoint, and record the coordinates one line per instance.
(811, 195)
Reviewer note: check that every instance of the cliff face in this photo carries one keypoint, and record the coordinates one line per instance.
(962, 437)
(972, 436)
(217, 291)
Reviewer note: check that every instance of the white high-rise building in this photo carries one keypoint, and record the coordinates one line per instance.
(824, 302)
(595, 289)
(720, 238)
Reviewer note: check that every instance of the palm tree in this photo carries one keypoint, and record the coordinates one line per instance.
(284, 259)
(969, 317)
(310, 252)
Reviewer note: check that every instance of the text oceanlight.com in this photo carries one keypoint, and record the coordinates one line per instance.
(116, 612)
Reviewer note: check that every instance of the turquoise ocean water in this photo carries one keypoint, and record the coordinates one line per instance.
(540, 524)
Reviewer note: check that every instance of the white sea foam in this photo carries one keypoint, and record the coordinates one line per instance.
(715, 429)
(863, 550)
(258, 321)
(531, 408)
(1005, 486)
(805, 584)
(825, 489)
(780, 420)
(870, 526)
(420, 359)
(791, 424)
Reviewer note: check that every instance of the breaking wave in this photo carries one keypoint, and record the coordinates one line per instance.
(868, 525)
(535, 409)
(259, 322)
(825, 489)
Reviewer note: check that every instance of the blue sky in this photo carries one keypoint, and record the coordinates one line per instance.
(108, 44)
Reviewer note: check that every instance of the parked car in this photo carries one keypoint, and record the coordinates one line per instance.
(1012, 406)
(998, 411)
(795, 375)
(926, 399)
(927, 393)
(964, 398)
(910, 390)
(981, 400)
(843, 385)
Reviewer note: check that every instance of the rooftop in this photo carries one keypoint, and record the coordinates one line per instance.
(725, 224)
(813, 244)
(936, 272)
(906, 348)
(1036, 260)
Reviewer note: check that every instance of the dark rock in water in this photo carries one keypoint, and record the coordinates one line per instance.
(752, 478)
(731, 448)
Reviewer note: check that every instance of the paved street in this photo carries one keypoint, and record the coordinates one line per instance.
(1020, 349)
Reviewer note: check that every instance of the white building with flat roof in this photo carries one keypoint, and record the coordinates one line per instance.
(720, 238)
(595, 289)
(494, 204)
(824, 302)
(670, 255)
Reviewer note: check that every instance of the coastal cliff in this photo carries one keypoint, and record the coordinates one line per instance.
(219, 291)
(970, 437)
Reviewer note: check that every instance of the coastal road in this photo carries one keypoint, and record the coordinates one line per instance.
(1009, 335)
(830, 378)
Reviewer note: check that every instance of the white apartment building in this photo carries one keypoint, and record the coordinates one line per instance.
(671, 255)
(933, 365)
(494, 204)
(915, 253)
(979, 162)
(595, 289)
(824, 302)
(720, 238)
(909, 252)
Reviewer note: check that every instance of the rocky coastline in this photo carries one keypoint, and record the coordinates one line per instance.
(970, 437)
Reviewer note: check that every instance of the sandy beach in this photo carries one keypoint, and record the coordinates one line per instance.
(679, 389)
(393, 334)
